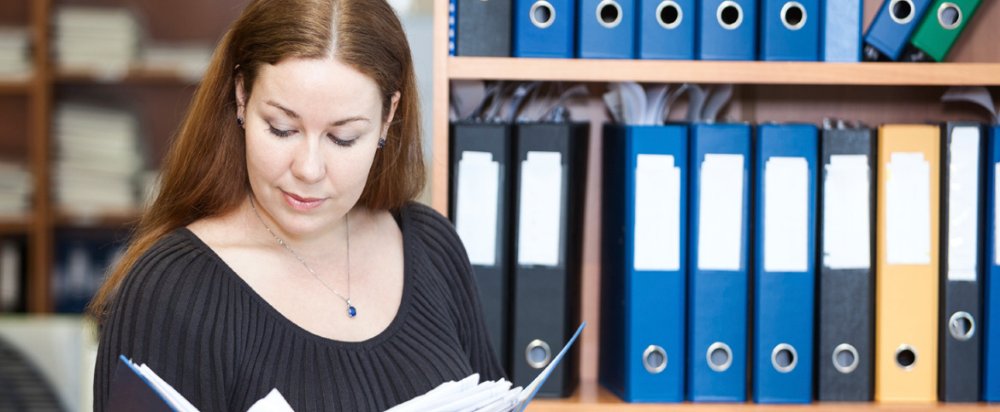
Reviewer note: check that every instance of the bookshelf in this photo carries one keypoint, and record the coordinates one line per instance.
(872, 93)
(158, 96)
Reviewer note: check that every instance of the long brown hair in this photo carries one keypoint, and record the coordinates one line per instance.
(204, 174)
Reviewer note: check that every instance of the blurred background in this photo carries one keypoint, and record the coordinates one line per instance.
(91, 94)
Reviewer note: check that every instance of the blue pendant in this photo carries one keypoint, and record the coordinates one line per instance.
(351, 311)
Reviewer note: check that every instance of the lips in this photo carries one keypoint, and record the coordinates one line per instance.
(302, 203)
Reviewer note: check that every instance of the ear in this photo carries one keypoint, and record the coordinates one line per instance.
(241, 101)
(392, 113)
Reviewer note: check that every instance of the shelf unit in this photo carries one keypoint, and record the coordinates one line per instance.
(872, 93)
(158, 96)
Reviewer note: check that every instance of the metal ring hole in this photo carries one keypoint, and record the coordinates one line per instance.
(609, 14)
(538, 354)
(845, 358)
(719, 357)
(793, 15)
(949, 16)
(962, 326)
(669, 14)
(654, 359)
(901, 11)
(906, 357)
(730, 15)
(542, 14)
(784, 358)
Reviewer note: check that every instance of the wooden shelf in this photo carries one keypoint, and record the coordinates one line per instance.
(135, 76)
(752, 72)
(591, 397)
(15, 86)
(10, 225)
(110, 220)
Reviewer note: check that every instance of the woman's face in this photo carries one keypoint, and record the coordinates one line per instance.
(312, 128)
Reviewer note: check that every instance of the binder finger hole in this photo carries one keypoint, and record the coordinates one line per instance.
(906, 357)
(538, 354)
(949, 16)
(730, 15)
(901, 11)
(719, 357)
(962, 326)
(654, 359)
(542, 14)
(609, 13)
(669, 14)
(784, 358)
(793, 15)
(845, 358)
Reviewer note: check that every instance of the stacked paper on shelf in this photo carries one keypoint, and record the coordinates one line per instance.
(15, 56)
(15, 189)
(100, 40)
(188, 60)
(97, 161)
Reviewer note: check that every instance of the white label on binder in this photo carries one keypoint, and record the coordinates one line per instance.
(963, 203)
(540, 209)
(846, 213)
(720, 212)
(786, 214)
(908, 209)
(476, 206)
(657, 213)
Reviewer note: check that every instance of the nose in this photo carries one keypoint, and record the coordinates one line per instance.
(308, 164)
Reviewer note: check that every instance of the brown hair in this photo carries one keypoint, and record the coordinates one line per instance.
(204, 174)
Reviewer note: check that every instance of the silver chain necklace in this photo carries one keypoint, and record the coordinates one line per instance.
(351, 310)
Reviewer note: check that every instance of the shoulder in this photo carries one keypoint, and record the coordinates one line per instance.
(169, 272)
(424, 219)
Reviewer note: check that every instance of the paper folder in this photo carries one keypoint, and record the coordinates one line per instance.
(906, 307)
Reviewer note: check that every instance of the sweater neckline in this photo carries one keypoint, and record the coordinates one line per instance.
(405, 222)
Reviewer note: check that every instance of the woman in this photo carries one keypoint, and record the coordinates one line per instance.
(283, 250)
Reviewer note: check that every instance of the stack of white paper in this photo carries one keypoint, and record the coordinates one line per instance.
(15, 189)
(103, 40)
(189, 60)
(15, 54)
(97, 164)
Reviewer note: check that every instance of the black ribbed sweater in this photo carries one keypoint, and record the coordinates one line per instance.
(200, 327)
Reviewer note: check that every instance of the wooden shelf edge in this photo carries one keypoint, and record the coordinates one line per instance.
(135, 76)
(15, 225)
(746, 72)
(15, 86)
(111, 220)
(592, 397)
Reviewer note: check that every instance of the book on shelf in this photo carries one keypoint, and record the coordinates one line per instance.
(15, 56)
(15, 189)
(99, 159)
(101, 39)
(11, 275)
(138, 387)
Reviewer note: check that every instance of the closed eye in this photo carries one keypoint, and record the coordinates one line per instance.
(278, 132)
(342, 142)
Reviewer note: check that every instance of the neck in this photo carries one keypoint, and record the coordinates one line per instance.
(315, 246)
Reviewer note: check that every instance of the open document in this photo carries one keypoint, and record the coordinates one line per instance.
(137, 387)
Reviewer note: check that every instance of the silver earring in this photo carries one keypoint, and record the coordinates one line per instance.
(239, 121)
(381, 143)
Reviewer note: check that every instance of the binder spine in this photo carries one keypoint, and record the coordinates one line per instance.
(718, 311)
(991, 285)
(846, 304)
(960, 320)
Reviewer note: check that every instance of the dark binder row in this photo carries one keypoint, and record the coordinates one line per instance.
(517, 201)
(784, 30)
(780, 262)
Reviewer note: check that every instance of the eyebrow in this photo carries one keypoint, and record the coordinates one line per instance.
(291, 113)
